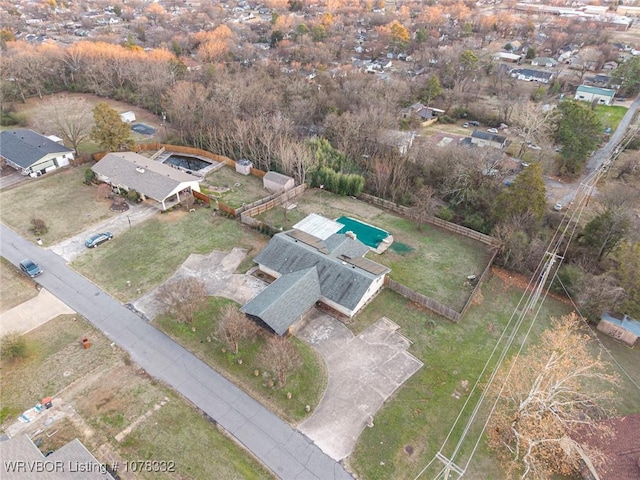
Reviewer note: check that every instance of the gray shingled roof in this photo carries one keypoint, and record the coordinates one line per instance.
(157, 182)
(340, 282)
(276, 177)
(491, 137)
(286, 299)
(25, 147)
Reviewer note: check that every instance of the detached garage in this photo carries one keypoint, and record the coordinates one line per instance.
(277, 182)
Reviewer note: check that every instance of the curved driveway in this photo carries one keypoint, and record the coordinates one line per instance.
(286, 452)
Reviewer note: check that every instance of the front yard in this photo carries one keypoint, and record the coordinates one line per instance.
(306, 384)
(60, 199)
(151, 252)
(15, 287)
(435, 263)
(116, 408)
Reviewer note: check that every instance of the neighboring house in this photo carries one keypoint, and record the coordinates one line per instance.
(529, 75)
(625, 329)
(602, 96)
(31, 153)
(327, 267)
(621, 450)
(398, 139)
(508, 57)
(486, 139)
(598, 80)
(544, 62)
(128, 117)
(425, 115)
(73, 461)
(277, 182)
(150, 178)
(610, 65)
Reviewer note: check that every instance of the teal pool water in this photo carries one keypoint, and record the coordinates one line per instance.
(367, 234)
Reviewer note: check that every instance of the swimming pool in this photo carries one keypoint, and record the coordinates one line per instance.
(368, 234)
(188, 162)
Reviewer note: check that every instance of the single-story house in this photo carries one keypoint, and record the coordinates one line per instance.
(422, 113)
(31, 153)
(73, 459)
(623, 328)
(598, 80)
(603, 96)
(486, 139)
(277, 182)
(150, 178)
(621, 450)
(509, 57)
(398, 139)
(329, 269)
(530, 75)
(544, 62)
(128, 117)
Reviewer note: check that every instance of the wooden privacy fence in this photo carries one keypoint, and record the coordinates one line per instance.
(438, 222)
(479, 281)
(267, 203)
(423, 300)
(201, 196)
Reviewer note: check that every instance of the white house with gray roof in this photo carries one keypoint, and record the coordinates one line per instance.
(31, 153)
(308, 269)
(150, 178)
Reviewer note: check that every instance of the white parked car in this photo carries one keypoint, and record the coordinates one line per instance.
(492, 130)
(557, 207)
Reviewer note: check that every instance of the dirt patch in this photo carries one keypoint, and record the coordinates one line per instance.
(511, 279)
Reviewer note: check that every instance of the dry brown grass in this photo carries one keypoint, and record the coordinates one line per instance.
(15, 288)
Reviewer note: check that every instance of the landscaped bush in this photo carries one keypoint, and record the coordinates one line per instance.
(10, 119)
(89, 176)
(133, 195)
(38, 226)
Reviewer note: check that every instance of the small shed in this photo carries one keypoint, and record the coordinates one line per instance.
(623, 328)
(244, 166)
(277, 182)
(128, 117)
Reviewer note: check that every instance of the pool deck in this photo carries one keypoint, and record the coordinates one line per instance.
(201, 173)
(383, 245)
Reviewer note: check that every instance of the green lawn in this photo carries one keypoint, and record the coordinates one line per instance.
(306, 385)
(151, 252)
(15, 287)
(438, 263)
(243, 188)
(60, 199)
(610, 115)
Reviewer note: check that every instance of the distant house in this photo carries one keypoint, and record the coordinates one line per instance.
(486, 139)
(602, 96)
(313, 263)
(621, 451)
(277, 182)
(400, 140)
(509, 57)
(425, 115)
(544, 62)
(598, 80)
(622, 328)
(150, 178)
(530, 75)
(31, 153)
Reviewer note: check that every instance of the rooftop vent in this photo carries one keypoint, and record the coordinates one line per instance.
(139, 169)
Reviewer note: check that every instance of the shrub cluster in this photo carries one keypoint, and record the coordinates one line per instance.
(336, 182)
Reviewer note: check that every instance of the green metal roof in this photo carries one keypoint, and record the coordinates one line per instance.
(605, 92)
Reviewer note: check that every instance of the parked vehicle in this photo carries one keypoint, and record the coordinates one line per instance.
(98, 239)
(465, 125)
(492, 130)
(534, 147)
(30, 268)
(557, 207)
(474, 123)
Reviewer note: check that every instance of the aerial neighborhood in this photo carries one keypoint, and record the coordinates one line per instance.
(325, 239)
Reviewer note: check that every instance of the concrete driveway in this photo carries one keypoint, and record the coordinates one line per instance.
(32, 313)
(363, 373)
(73, 247)
(216, 271)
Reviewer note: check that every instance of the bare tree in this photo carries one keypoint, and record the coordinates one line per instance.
(234, 326)
(182, 298)
(281, 356)
(544, 399)
(71, 118)
(187, 199)
(423, 204)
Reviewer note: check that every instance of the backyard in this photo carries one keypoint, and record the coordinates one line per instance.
(306, 384)
(117, 407)
(431, 261)
(60, 199)
(411, 427)
(145, 256)
(233, 188)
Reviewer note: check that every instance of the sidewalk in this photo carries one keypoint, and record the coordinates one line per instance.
(73, 247)
(32, 313)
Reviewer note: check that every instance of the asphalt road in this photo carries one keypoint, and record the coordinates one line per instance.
(285, 451)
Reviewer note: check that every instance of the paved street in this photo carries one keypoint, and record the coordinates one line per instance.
(287, 452)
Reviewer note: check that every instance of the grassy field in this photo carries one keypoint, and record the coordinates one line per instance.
(151, 252)
(60, 199)
(437, 264)
(610, 115)
(15, 287)
(419, 416)
(243, 188)
(110, 395)
(306, 385)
